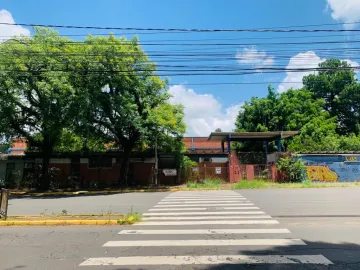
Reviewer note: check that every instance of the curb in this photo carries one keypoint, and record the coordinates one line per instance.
(57, 222)
(20, 194)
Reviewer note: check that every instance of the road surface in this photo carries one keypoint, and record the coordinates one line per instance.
(257, 229)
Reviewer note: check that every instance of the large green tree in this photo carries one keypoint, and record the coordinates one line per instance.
(126, 103)
(291, 110)
(337, 85)
(37, 99)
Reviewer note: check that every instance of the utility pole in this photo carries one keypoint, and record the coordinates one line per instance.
(156, 163)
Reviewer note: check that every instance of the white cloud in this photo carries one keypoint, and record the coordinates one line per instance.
(8, 31)
(302, 60)
(253, 57)
(346, 11)
(203, 112)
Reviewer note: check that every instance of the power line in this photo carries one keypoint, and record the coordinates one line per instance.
(130, 43)
(258, 30)
(202, 39)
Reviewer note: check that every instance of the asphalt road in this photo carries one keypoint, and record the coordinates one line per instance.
(97, 204)
(323, 225)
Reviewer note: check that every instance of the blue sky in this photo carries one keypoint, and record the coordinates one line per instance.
(214, 104)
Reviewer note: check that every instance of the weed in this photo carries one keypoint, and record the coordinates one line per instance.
(213, 183)
(43, 213)
(245, 184)
(130, 218)
(64, 212)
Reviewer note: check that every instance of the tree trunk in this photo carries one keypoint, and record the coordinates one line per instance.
(124, 170)
(46, 155)
(44, 181)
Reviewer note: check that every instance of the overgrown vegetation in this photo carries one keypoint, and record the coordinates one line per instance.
(130, 218)
(212, 183)
(292, 169)
(244, 184)
(260, 184)
(326, 111)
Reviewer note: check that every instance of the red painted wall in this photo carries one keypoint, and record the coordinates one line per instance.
(234, 168)
(250, 172)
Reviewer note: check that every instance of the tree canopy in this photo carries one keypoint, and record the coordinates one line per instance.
(64, 95)
(325, 111)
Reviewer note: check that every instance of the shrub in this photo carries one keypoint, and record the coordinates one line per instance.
(187, 166)
(293, 169)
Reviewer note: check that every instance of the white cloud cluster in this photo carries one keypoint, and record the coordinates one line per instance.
(203, 112)
(8, 31)
(346, 11)
(302, 60)
(255, 58)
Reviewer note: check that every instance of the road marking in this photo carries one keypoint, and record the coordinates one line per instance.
(207, 222)
(212, 242)
(208, 260)
(232, 217)
(209, 231)
(202, 204)
(203, 197)
(205, 213)
(238, 208)
(176, 209)
(200, 200)
(187, 202)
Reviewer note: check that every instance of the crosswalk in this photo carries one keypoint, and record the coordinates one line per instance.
(205, 229)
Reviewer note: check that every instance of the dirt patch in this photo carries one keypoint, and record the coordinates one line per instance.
(66, 217)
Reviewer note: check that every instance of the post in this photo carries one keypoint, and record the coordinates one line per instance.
(266, 151)
(4, 202)
(279, 144)
(156, 163)
(229, 144)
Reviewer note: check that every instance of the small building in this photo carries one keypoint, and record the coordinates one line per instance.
(213, 155)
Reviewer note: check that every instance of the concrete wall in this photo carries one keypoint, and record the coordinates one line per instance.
(332, 167)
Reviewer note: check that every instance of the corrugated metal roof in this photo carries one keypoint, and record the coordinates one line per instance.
(271, 135)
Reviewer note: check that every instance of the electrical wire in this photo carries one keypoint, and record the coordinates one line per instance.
(285, 29)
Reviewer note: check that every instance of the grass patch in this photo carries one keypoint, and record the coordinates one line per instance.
(206, 184)
(130, 218)
(244, 184)
(255, 184)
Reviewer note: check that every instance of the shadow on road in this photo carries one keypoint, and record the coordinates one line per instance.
(105, 193)
(342, 255)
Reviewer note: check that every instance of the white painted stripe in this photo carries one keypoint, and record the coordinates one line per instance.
(203, 197)
(200, 200)
(233, 217)
(204, 213)
(206, 222)
(207, 260)
(209, 231)
(212, 242)
(212, 201)
(176, 209)
(202, 204)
